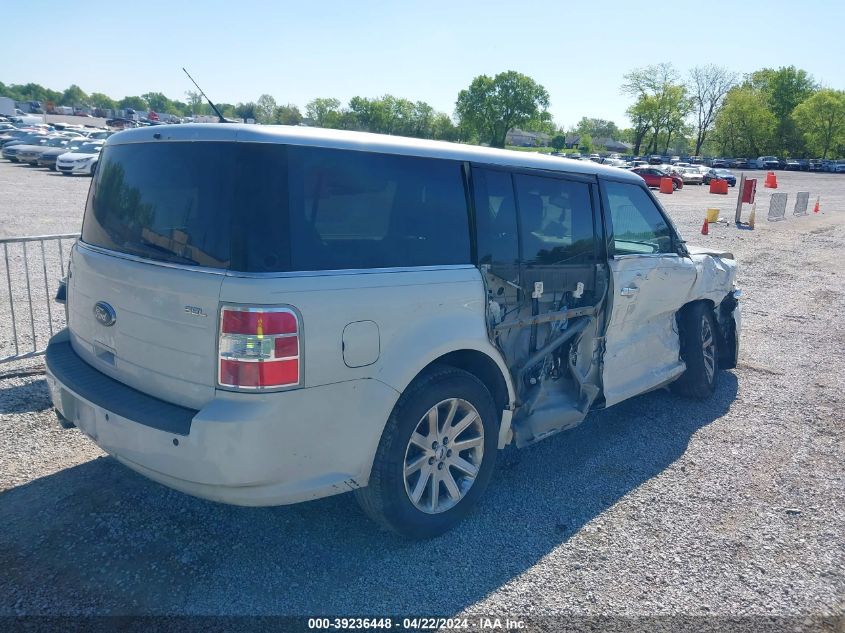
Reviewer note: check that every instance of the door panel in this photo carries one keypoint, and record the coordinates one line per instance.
(641, 346)
(650, 282)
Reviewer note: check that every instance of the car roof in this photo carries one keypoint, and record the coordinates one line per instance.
(361, 141)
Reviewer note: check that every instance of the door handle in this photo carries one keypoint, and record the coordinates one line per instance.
(629, 291)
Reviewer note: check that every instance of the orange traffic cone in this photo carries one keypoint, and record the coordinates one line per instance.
(771, 181)
(817, 208)
(751, 217)
(705, 228)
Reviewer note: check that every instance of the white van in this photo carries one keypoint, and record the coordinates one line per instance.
(265, 315)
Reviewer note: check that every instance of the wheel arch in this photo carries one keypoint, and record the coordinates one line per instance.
(482, 367)
(722, 315)
(491, 371)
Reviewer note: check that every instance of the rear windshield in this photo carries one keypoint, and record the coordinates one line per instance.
(256, 207)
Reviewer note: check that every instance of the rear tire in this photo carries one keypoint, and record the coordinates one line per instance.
(699, 350)
(420, 486)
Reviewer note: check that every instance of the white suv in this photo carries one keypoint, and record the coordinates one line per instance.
(265, 315)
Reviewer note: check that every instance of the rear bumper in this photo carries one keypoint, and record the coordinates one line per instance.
(241, 448)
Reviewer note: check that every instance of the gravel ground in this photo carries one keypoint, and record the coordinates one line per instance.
(658, 506)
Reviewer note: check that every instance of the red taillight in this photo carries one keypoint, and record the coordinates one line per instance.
(258, 348)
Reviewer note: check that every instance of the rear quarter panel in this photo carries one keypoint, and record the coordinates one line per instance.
(420, 314)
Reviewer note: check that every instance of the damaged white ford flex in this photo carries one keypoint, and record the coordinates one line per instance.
(265, 315)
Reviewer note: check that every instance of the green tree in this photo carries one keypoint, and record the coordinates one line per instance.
(745, 126)
(99, 100)
(323, 112)
(156, 101)
(247, 110)
(641, 113)
(197, 104)
(443, 128)
(493, 105)
(74, 96)
(597, 128)
(422, 120)
(707, 86)
(585, 143)
(288, 115)
(661, 102)
(30, 92)
(784, 89)
(135, 103)
(558, 142)
(266, 109)
(821, 120)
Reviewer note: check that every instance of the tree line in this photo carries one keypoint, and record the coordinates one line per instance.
(710, 110)
(782, 111)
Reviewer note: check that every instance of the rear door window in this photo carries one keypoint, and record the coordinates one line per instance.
(495, 217)
(368, 210)
(557, 220)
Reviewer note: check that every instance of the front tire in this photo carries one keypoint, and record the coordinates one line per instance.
(436, 455)
(699, 350)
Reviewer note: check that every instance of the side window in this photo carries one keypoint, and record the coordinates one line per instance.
(351, 209)
(557, 221)
(495, 217)
(638, 226)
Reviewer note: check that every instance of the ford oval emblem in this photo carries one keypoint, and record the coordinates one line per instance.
(104, 313)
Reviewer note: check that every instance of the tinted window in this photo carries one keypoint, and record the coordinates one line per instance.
(259, 207)
(638, 225)
(170, 201)
(366, 210)
(557, 220)
(495, 217)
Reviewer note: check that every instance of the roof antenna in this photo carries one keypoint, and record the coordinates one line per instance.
(213, 107)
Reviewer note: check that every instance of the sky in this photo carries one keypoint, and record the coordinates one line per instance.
(425, 51)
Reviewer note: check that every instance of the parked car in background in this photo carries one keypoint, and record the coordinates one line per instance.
(10, 148)
(815, 164)
(741, 163)
(718, 163)
(30, 153)
(839, 167)
(792, 164)
(48, 157)
(720, 174)
(768, 162)
(17, 134)
(98, 135)
(82, 161)
(652, 176)
(690, 175)
(654, 159)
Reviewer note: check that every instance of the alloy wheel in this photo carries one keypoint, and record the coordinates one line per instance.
(444, 456)
(708, 347)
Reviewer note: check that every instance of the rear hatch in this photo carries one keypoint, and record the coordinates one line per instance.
(164, 223)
